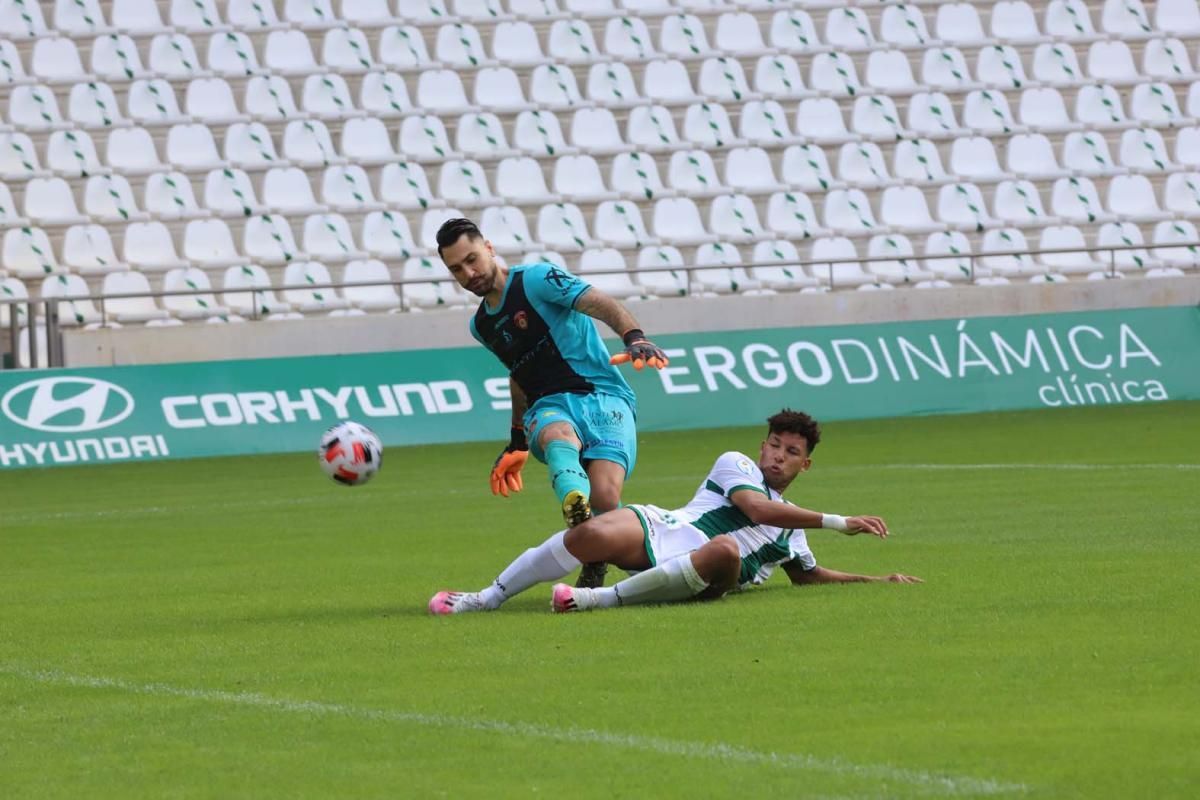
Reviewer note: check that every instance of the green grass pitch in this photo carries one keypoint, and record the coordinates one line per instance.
(246, 628)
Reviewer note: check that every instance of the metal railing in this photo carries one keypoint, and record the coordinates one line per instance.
(49, 305)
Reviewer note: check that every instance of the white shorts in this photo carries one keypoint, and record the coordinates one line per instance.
(666, 536)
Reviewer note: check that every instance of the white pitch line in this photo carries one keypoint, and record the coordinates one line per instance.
(925, 782)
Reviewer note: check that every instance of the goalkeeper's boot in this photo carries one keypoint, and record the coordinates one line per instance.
(567, 599)
(456, 603)
(577, 510)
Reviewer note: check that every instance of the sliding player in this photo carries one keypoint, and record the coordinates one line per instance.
(733, 534)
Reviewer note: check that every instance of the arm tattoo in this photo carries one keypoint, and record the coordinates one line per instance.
(597, 304)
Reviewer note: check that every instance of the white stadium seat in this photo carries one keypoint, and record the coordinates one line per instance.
(1132, 197)
(88, 249)
(384, 235)
(1068, 19)
(848, 211)
(620, 224)
(834, 73)
(682, 35)
(628, 38)
(1123, 234)
(677, 221)
(380, 295)
(109, 198)
(321, 297)
(1075, 199)
(516, 42)
(1179, 16)
(538, 133)
(50, 201)
(507, 228)
(521, 179)
(594, 265)
(578, 178)
(1181, 233)
(288, 189)
(904, 208)
(917, 160)
(94, 105)
(667, 80)
(198, 303)
(209, 243)
(268, 239)
(170, 195)
(959, 23)
(572, 40)
(861, 164)
(554, 86)
(848, 28)
(779, 266)
(1111, 61)
(247, 289)
(595, 130)
(435, 291)
(650, 127)
(1124, 17)
(27, 253)
(792, 214)
(130, 309)
(149, 247)
(75, 307)
(402, 46)
(1013, 20)
(1031, 155)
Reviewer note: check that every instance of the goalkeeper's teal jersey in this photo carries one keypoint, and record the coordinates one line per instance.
(548, 346)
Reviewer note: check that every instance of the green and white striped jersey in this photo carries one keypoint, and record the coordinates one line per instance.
(763, 547)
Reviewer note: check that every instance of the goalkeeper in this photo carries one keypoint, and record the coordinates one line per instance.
(570, 406)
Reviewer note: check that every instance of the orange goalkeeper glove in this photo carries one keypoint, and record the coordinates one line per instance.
(641, 351)
(506, 471)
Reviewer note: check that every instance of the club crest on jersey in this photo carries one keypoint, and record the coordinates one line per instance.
(521, 320)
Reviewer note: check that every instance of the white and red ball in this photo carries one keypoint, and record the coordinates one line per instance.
(350, 453)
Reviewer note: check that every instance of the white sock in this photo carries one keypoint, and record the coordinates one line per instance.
(670, 581)
(546, 562)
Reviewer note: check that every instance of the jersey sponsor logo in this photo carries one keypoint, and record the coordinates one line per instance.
(67, 404)
(560, 280)
(744, 465)
(610, 420)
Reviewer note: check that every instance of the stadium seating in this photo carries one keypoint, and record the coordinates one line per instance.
(271, 145)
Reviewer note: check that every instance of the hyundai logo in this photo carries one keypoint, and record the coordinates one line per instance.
(67, 404)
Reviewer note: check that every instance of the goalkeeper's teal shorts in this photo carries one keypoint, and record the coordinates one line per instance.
(605, 424)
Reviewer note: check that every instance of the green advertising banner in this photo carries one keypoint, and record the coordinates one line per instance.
(715, 379)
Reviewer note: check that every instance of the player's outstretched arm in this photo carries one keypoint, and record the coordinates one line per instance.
(639, 350)
(765, 511)
(506, 469)
(800, 576)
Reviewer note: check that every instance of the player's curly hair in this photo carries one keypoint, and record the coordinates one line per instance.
(453, 229)
(788, 421)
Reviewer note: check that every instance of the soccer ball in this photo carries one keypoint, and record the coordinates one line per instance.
(350, 453)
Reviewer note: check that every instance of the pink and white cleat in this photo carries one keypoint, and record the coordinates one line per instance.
(456, 603)
(572, 598)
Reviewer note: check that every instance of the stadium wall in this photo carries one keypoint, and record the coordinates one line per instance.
(439, 329)
(715, 378)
